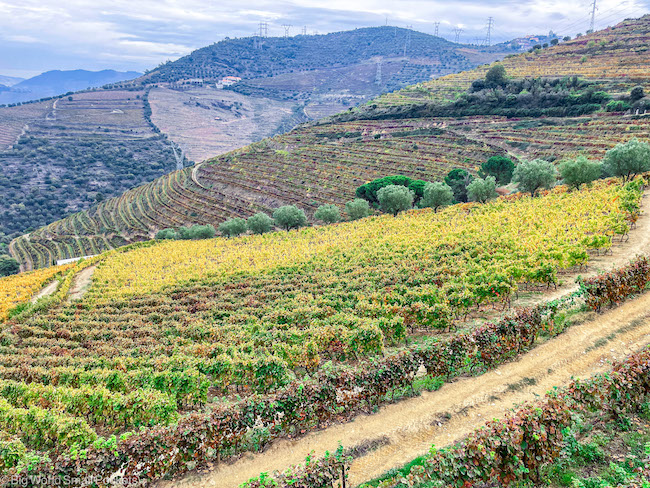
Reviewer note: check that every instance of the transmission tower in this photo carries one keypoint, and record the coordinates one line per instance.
(490, 24)
(286, 29)
(304, 31)
(436, 25)
(593, 15)
(407, 42)
(264, 29)
(457, 32)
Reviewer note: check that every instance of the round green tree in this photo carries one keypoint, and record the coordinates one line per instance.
(627, 159)
(437, 195)
(328, 213)
(259, 223)
(357, 209)
(481, 190)
(394, 199)
(534, 175)
(500, 167)
(232, 227)
(289, 217)
(578, 171)
(458, 179)
(8, 266)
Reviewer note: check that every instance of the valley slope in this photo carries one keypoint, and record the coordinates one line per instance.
(325, 162)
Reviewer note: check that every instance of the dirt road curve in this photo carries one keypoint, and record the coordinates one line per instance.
(413, 425)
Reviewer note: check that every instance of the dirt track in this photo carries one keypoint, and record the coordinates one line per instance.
(412, 426)
(81, 283)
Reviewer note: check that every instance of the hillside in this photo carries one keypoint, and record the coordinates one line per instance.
(56, 82)
(96, 144)
(254, 57)
(9, 80)
(325, 162)
(193, 348)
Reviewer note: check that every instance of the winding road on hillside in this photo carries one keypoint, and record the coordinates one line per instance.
(407, 429)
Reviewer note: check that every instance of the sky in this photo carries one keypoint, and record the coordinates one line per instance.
(40, 35)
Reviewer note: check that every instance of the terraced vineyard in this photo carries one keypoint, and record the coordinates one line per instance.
(170, 332)
(618, 56)
(312, 166)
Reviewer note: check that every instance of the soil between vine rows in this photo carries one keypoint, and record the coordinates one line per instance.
(413, 425)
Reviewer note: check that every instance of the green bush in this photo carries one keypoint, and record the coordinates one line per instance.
(617, 106)
(8, 266)
(290, 217)
(394, 199)
(328, 213)
(357, 209)
(232, 227)
(534, 175)
(481, 190)
(202, 232)
(458, 179)
(369, 190)
(500, 167)
(437, 195)
(166, 234)
(259, 223)
(576, 172)
(627, 159)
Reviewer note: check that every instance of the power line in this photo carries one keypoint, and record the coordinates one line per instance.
(264, 29)
(286, 29)
(436, 25)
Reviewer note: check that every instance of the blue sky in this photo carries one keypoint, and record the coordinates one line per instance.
(39, 35)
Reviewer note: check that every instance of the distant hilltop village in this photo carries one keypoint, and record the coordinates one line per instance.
(527, 42)
(223, 82)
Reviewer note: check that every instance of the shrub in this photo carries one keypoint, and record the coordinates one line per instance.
(259, 223)
(496, 76)
(458, 179)
(500, 167)
(183, 233)
(202, 232)
(394, 199)
(8, 266)
(636, 93)
(328, 213)
(535, 174)
(290, 217)
(232, 227)
(617, 106)
(357, 209)
(481, 190)
(166, 234)
(627, 159)
(369, 190)
(437, 195)
(577, 171)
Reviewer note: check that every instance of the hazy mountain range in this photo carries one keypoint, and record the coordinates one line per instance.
(56, 82)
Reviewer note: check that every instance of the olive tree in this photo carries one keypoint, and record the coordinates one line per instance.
(259, 223)
(481, 190)
(394, 199)
(232, 227)
(328, 213)
(533, 175)
(627, 159)
(579, 171)
(289, 217)
(357, 209)
(437, 195)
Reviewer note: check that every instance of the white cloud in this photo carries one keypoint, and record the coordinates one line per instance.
(141, 33)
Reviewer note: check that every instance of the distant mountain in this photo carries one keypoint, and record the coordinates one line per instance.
(56, 82)
(10, 80)
(254, 57)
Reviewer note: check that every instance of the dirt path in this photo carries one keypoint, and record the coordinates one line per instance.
(81, 283)
(409, 428)
(45, 292)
